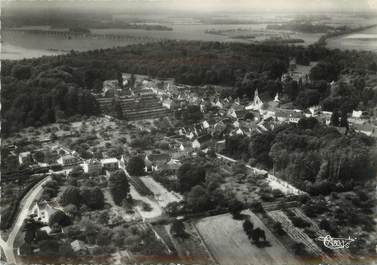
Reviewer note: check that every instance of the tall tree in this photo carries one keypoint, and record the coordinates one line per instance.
(335, 119)
(71, 195)
(178, 229)
(190, 175)
(344, 120)
(120, 79)
(119, 186)
(93, 197)
(59, 218)
(198, 199)
(136, 166)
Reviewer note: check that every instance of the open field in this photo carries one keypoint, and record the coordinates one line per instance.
(363, 40)
(229, 244)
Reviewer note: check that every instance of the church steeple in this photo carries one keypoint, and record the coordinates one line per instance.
(257, 102)
(276, 99)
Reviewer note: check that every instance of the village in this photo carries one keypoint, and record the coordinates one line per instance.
(150, 129)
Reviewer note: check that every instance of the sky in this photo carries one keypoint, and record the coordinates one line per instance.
(285, 5)
(208, 5)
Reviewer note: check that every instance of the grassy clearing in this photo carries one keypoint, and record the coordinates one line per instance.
(229, 244)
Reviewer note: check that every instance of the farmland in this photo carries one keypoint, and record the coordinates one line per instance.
(228, 243)
(295, 233)
(364, 40)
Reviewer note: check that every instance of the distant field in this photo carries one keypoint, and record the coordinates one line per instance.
(363, 40)
(18, 45)
(228, 243)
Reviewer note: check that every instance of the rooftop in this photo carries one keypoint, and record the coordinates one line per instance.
(109, 160)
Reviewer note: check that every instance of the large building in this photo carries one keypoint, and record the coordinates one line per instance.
(110, 164)
(138, 106)
(92, 167)
(67, 160)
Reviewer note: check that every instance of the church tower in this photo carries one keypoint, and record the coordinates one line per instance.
(257, 102)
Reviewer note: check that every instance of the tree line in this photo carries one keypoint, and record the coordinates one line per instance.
(48, 89)
(311, 156)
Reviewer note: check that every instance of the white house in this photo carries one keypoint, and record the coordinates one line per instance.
(315, 110)
(357, 114)
(287, 115)
(196, 144)
(295, 117)
(167, 103)
(232, 113)
(219, 104)
(24, 157)
(43, 211)
(78, 245)
(92, 167)
(205, 125)
(239, 132)
(190, 135)
(181, 148)
(67, 160)
(110, 163)
(149, 167)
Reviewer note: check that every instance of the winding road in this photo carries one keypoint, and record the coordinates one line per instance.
(26, 202)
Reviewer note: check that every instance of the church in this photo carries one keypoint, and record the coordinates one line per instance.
(256, 104)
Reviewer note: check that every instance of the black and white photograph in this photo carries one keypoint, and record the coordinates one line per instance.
(188, 132)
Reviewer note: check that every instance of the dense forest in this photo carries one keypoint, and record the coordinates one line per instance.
(337, 171)
(43, 90)
(311, 156)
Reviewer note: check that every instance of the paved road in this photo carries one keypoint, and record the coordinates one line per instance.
(8, 246)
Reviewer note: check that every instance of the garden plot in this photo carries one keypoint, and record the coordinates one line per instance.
(295, 233)
(229, 244)
(162, 195)
(154, 210)
(117, 212)
(319, 232)
(192, 249)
